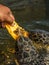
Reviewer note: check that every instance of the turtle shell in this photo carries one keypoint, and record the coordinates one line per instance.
(33, 50)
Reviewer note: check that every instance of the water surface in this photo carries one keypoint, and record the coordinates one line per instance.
(30, 14)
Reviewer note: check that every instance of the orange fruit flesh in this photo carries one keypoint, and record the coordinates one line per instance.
(14, 27)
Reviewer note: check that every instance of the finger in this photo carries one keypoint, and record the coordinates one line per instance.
(1, 19)
(3, 25)
(8, 19)
(11, 16)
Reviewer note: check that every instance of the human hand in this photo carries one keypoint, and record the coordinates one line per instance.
(6, 16)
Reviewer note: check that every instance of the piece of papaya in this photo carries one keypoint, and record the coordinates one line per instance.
(14, 32)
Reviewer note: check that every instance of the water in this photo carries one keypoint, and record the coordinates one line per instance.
(31, 15)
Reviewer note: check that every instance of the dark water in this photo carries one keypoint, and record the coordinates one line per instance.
(30, 14)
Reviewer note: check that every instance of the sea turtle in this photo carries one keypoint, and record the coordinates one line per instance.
(33, 50)
(31, 47)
